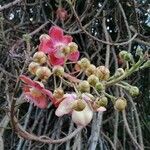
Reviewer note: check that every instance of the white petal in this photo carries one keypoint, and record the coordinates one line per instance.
(82, 117)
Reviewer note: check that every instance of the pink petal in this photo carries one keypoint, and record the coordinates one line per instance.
(67, 39)
(56, 33)
(65, 107)
(39, 101)
(27, 80)
(48, 93)
(101, 109)
(46, 45)
(30, 83)
(74, 56)
(55, 60)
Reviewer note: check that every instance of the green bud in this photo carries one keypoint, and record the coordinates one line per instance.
(134, 91)
(120, 104)
(93, 79)
(84, 63)
(102, 101)
(84, 86)
(119, 72)
(126, 56)
(139, 51)
(58, 70)
(99, 86)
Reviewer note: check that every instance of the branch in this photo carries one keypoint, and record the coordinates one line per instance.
(9, 5)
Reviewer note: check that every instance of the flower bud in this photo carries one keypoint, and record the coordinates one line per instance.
(43, 73)
(73, 47)
(126, 56)
(90, 70)
(66, 50)
(84, 63)
(58, 70)
(120, 104)
(102, 101)
(83, 117)
(78, 105)
(92, 79)
(40, 57)
(122, 54)
(84, 86)
(119, 72)
(102, 73)
(58, 93)
(139, 51)
(33, 66)
(134, 91)
(99, 86)
(44, 37)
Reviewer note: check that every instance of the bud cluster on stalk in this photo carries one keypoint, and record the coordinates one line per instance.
(85, 95)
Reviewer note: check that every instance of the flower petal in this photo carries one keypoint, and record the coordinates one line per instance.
(67, 39)
(56, 33)
(46, 46)
(39, 101)
(101, 109)
(26, 80)
(65, 107)
(55, 60)
(83, 117)
(74, 56)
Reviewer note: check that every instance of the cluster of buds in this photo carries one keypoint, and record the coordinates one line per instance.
(37, 67)
(90, 93)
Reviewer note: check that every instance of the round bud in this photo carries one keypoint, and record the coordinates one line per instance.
(84, 63)
(58, 70)
(99, 86)
(43, 73)
(33, 66)
(102, 101)
(134, 91)
(44, 37)
(58, 93)
(84, 86)
(92, 79)
(78, 105)
(102, 73)
(119, 72)
(40, 57)
(90, 70)
(66, 50)
(126, 56)
(73, 47)
(122, 54)
(120, 104)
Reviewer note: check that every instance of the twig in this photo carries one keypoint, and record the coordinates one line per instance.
(9, 5)
(129, 131)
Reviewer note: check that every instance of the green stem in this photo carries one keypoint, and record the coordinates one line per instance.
(127, 73)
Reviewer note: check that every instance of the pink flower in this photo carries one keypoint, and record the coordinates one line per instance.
(35, 92)
(61, 14)
(55, 44)
(81, 117)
